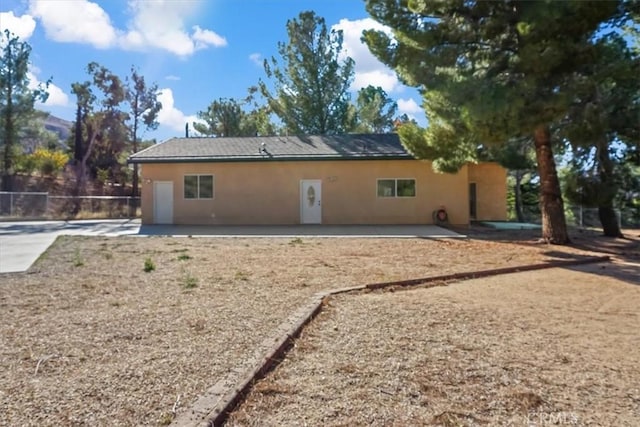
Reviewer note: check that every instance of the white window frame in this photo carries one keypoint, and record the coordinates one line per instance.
(395, 188)
(213, 186)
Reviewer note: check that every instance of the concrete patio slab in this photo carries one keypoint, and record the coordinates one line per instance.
(360, 231)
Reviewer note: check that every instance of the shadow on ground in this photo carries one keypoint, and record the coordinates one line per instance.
(624, 252)
(626, 272)
(625, 249)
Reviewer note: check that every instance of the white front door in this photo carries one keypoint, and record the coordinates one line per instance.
(163, 202)
(310, 201)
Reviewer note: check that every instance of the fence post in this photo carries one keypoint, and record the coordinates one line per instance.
(11, 203)
(46, 205)
(581, 223)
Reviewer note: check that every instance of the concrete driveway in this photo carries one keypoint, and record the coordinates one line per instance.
(21, 243)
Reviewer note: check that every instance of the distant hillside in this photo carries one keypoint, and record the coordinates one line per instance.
(59, 126)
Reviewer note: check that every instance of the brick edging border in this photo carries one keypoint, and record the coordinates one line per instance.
(213, 408)
(491, 272)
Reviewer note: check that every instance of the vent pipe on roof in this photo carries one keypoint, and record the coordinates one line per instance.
(186, 130)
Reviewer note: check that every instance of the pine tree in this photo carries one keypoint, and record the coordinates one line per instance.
(222, 118)
(491, 71)
(311, 87)
(144, 107)
(17, 100)
(375, 111)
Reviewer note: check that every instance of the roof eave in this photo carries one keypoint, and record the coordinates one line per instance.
(237, 159)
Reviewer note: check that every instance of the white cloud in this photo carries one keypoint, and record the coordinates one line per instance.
(160, 24)
(77, 21)
(368, 70)
(22, 26)
(172, 77)
(386, 79)
(170, 116)
(156, 24)
(203, 38)
(408, 106)
(57, 97)
(256, 58)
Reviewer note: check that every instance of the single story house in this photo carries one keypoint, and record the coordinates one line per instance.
(329, 179)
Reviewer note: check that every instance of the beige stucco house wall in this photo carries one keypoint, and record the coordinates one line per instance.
(490, 180)
(269, 192)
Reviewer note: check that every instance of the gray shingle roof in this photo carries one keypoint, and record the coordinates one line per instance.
(334, 147)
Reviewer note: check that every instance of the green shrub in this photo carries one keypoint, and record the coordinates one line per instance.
(149, 265)
(241, 275)
(25, 163)
(49, 162)
(189, 282)
(78, 261)
(102, 175)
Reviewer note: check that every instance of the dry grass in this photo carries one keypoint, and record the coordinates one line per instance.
(522, 349)
(89, 337)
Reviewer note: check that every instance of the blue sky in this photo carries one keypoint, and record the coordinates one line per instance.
(195, 50)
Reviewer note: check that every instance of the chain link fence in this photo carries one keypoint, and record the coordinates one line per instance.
(581, 216)
(35, 205)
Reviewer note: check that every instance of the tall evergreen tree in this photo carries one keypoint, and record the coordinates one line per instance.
(517, 156)
(232, 117)
(222, 118)
(311, 86)
(113, 133)
(602, 119)
(258, 118)
(490, 71)
(85, 132)
(375, 111)
(17, 100)
(143, 113)
(258, 122)
(100, 134)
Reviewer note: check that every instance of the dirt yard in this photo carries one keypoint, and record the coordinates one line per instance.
(540, 348)
(88, 337)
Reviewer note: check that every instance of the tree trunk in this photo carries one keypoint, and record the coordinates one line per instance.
(7, 173)
(79, 189)
(81, 173)
(518, 196)
(9, 135)
(554, 226)
(133, 206)
(134, 181)
(609, 188)
(609, 221)
(77, 138)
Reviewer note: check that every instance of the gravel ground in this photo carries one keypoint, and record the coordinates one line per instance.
(521, 349)
(89, 338)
